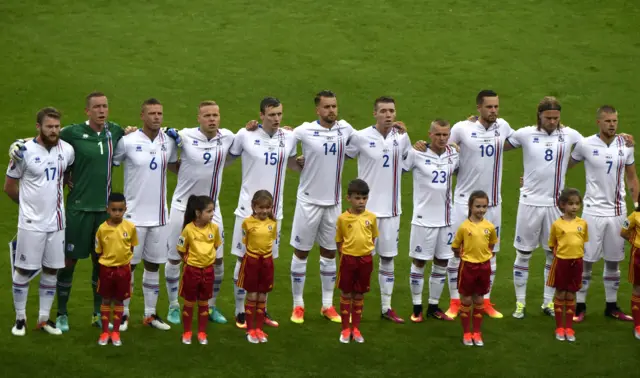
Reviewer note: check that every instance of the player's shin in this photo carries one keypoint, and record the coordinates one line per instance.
(187, 315)
(63, 287)
(465, 317)
(570, 311)
(105, 315)
(150, 291)
(250, 313)
(20, 293)
(478, 315)
(635, 307)
(416, 282)
(558, 309)
(47, 292)
(239, 293)
(436, 283)
(218, 270)
(260, 314)
(328, 279)
(581, 296)
(452, 273)
(548, 290)
(298, 276)
(386, 281)
(118, 310)
(203, 316)
(494, 267)
(356, 310)
(345, 310)
(97, 299)
(172, 279)
(521, 275)
(611, 279)
(127, 301)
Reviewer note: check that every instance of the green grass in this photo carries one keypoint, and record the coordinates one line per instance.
(432, 56)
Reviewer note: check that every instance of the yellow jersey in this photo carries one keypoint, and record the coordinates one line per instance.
(258, 235)
(474, 240)
(632, 225)
(567, 238)
(199, 244)
(357, 232)
(114, 245)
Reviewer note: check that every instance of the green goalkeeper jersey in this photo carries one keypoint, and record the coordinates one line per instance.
(92, 169)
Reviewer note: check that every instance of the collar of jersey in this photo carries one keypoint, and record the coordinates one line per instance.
(219, 134)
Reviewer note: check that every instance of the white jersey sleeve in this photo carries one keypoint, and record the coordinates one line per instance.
(120, 152)
(324, 153)
(41, 196)
(201, 165)
(264, 164)
(145, 177)
(432, 183)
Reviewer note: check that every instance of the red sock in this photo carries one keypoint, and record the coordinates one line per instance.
(345, 312)
(260, 310)
(118, 310)
(478, 314)
(249, 313)
(105, 314)
(187, 315)
(356, 312)
(203, 316)
(558, 308)
(635, 310)
(465, 318)
(569, 312)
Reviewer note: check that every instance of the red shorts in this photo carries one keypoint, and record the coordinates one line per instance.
(114, 282)
(634, 266)
(197, 283)
(354, 275)
(474, 278)
(566, 274)
(256, 273)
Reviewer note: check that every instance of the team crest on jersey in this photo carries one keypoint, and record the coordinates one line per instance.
(497, 133)
(270, 227)
(125, 234)
(474, 135)
(418, 249)
(579, 229)
(595, 153)
(395, 143)
(486, 231)
(625, 224)
(256, 142)
(560, 138)
(85, 136)
(138, 148)
(536, 140)
(372, 144)
(367, 223)
(60, 157)
(163, 147)
(210, 236)
(282, 144)
(620, 153)
(70, 247)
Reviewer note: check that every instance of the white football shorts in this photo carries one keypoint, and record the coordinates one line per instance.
(388, 235)
(429, 242)
(35, 249)
(313, 223)
(604, 238)
(533, 225)
(152, 245)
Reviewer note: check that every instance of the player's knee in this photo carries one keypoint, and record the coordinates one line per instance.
(346, 295)
(49, 270)
(262, 297)
(172, 262)
(386, 260)
(611, 265)
(587, 266)
(327, 253)
(219, 261)
(560, 295)
(151, 267)
(252, 296)
(478, 299)
(419, 263)
(441, 263)
(569, 296)
(302, 255)
(70, 263)
(25, 272)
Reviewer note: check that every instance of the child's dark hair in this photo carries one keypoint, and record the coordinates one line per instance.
(565, 195)
(116, 197)
(474, 196)
(195, 203)
(262, 196)
(358, 186)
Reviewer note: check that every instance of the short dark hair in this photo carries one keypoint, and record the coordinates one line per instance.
(606, 109)
(92, 95)
(383, 100)
(116, 197)
(358, 186)
(325, 93)
(268, 102)
(485, 93)
(50, 112)
(151, 101)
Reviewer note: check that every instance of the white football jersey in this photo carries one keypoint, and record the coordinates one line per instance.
(380, 165)
(324, 154)
(545, 158)
(201, 165)
(41, 174)
(264, 165)
(604, 167)
(145, 176)
(432, 183)
(481, 153)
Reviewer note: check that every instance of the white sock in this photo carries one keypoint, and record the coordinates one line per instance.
(452, 272)
(549, 291)
(416, 283)
(328, 278)
(494, 266)
(218, 271)
(386, 280)
(611, 279)
(298, 276)
(239, 293)
(20, 294)
(436, 283)
(47, 293)
(150, 291)
(581, 295)
(521, 276)
(127, 301)
(172, 279)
